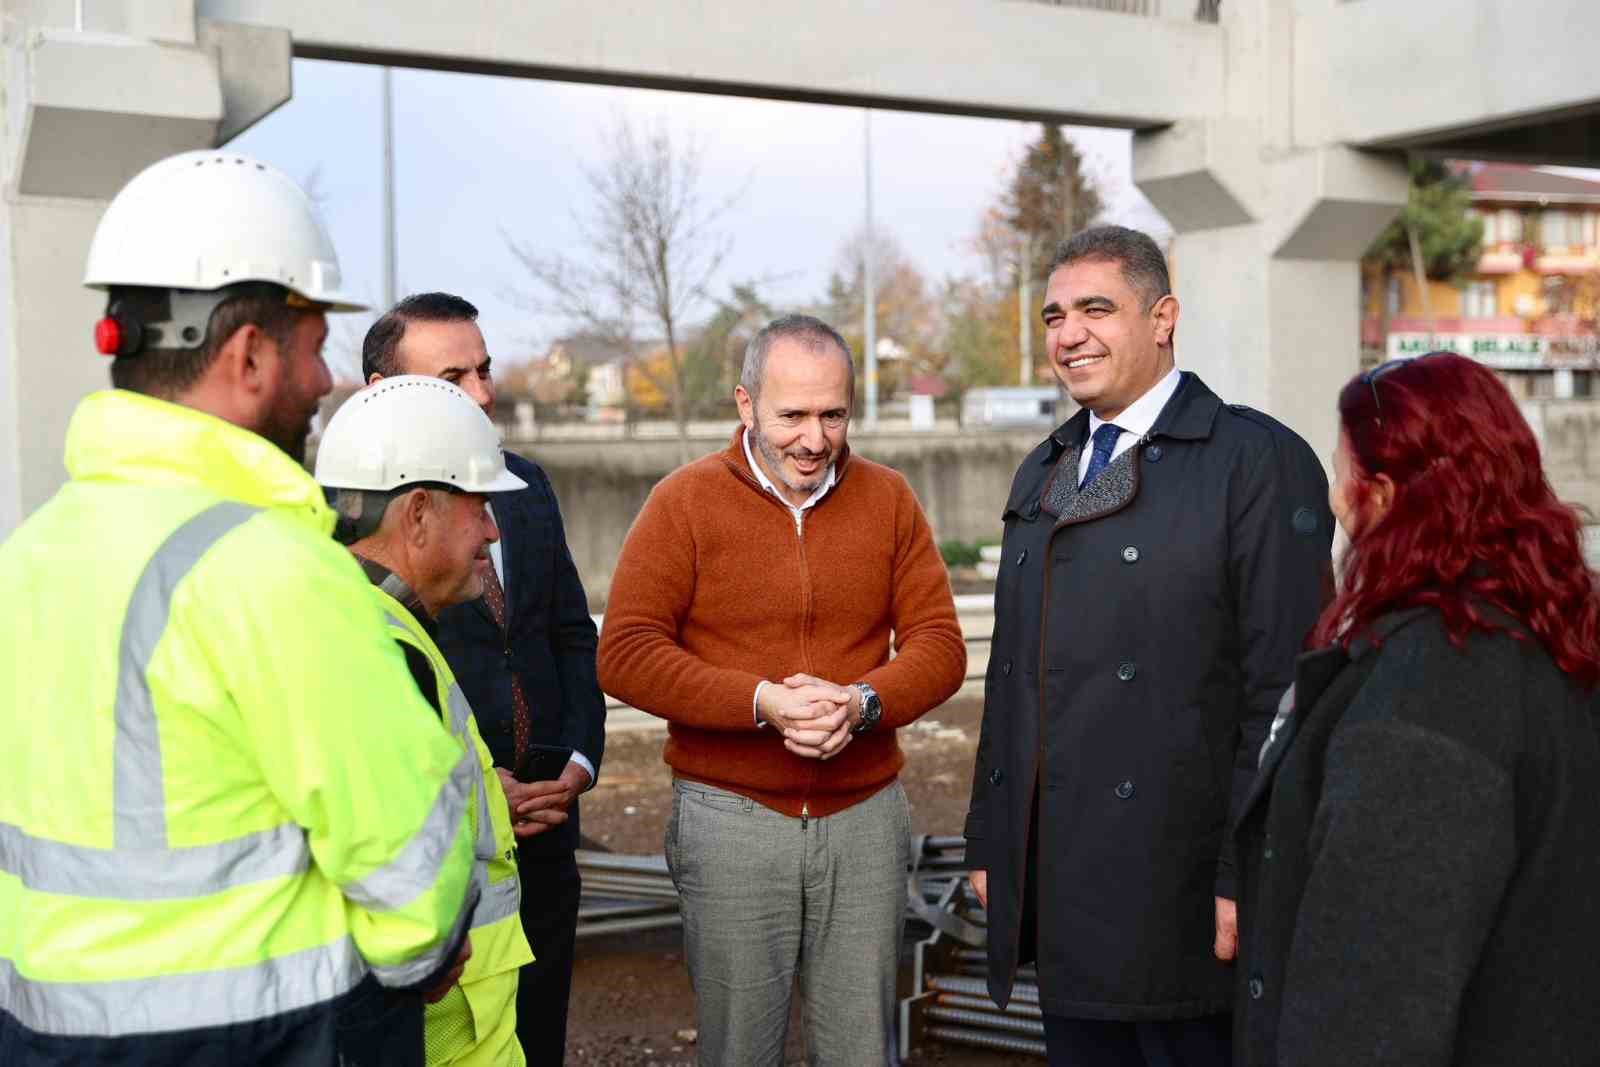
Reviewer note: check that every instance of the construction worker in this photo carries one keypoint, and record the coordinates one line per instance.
(408, 464)
(228, 821)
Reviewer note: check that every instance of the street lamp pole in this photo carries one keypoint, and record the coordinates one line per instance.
(388, 190)
(870, 287)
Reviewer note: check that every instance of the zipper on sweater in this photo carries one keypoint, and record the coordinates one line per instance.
(805, 644)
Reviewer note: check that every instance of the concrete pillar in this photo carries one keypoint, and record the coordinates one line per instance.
(1269, 233)
(85, 110)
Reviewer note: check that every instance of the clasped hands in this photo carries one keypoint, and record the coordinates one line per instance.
(540, 806)
(815, 717)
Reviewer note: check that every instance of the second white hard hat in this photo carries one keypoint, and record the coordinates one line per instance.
(410, 429)
(203, 220)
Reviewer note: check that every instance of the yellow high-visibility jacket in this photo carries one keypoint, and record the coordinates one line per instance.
(477, 1022)
(223, 799)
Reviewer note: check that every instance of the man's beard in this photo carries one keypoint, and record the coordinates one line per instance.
(774, 458)
(287, 427)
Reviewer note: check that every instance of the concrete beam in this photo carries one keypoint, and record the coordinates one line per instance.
(1393, 74)
(1334, 201)
(1201, 174)
(167, 21)
(1573, 142)
(98, 108)
(996, 58)
(256, 64)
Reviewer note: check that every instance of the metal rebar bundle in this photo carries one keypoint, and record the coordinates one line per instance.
(950, 1001)
(625, 894)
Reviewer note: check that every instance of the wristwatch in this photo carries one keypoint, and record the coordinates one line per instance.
(871, 708)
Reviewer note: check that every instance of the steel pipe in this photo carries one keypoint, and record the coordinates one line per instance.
(944, 983)
(962, 1035)
(594, 912)
(985, 1020)
(588, 859)
(629, 926)
(960, 1000)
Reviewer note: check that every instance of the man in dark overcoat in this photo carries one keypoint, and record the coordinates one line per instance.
(1165, 555)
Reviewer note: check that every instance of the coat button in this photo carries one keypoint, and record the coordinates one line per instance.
(1124, 790)
(1153, 453)
(1257, 987)
(1022, 557)
(996, 776)
(1127, 671)
(1005, 668)
(1130, 554)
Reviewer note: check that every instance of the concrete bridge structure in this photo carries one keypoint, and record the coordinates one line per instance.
(1272, 139)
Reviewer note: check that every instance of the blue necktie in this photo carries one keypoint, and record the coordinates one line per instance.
(1105, 440)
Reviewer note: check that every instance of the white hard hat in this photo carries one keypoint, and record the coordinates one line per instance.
(409, 429)
(203, 220)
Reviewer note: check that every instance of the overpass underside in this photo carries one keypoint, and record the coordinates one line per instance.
(1270, 139)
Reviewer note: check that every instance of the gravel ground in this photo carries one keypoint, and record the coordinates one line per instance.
(631, 1000)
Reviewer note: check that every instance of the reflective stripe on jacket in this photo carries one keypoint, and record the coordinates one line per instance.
(211, 813)
(499, 947)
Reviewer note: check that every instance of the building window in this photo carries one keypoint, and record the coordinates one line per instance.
(1392, 297)
(1478, 301)
(1562, 229)
(1508, 228)
(1503, 227)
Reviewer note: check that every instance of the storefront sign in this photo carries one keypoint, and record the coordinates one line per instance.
(1503, 351)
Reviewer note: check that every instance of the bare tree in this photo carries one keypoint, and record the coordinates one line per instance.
(651, 244)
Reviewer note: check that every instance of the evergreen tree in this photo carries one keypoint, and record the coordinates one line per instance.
(1438, 209)
(1049, 198)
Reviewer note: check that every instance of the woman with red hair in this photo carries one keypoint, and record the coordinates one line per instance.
(1420, 856)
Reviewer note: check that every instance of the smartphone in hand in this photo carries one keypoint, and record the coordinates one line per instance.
(542, 763)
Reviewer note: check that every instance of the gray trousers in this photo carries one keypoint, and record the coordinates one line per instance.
(766, 897)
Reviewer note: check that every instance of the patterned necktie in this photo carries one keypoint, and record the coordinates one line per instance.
(494, 594)
(1105, 440)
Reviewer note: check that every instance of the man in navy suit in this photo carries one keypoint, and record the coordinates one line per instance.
(524, 656)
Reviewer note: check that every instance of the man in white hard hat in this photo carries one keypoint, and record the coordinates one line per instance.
(524, 655)
(413, 507)
(228, 820)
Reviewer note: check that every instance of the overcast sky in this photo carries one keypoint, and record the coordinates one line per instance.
(477, 156)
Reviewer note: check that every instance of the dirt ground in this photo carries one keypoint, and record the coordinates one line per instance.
(631, 1000)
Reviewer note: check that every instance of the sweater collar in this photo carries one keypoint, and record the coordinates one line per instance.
(733, 459)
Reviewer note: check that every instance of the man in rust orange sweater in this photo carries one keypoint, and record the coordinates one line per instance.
(753, 608)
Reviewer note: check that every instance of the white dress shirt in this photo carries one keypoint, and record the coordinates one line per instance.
(799, 514)
(1135, 421)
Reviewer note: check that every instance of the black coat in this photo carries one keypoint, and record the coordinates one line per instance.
(1420, 861)
(1141, 645)
(550, 643)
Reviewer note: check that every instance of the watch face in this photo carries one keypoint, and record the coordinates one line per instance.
(871, 708)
